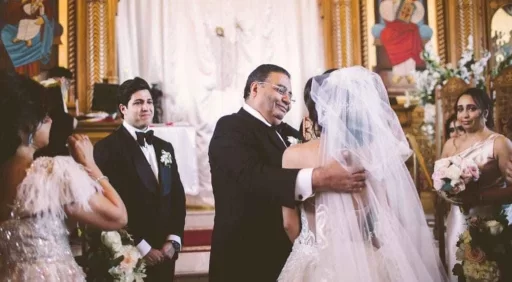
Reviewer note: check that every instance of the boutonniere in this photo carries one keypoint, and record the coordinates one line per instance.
(166, 158)
(293, 140)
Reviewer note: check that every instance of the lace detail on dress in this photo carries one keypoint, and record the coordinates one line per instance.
(304, 256)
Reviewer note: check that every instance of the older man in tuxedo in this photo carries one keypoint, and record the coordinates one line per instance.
(250, 187)
(143, 169)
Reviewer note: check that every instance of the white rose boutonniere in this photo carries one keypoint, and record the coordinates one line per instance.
(166, 158)
(293, 140)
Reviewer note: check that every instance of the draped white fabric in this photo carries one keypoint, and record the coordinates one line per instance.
(202, 51)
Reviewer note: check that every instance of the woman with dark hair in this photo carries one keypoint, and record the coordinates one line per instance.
(491, 153)
(310, 130)
(453, 128)
(63, 125)
(37, 195)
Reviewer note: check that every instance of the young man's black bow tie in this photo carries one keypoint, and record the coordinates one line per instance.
(148, 136)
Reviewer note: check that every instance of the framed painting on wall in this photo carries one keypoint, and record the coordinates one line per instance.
(400, 32)
(29, 35)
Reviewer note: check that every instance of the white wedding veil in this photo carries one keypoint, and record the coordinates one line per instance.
(380, 234)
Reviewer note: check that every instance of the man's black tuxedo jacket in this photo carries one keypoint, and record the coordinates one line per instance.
(250, 187)
(156, 209)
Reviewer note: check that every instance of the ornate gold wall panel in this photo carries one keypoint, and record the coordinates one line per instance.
(503, 104)
(465, 17)
(72, 51)
(95, 60)
(488, 10)
(343, 32)
(441, 29)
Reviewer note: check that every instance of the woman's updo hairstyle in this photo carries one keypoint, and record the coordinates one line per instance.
(21, 110)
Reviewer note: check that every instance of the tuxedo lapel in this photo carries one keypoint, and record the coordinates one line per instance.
(140, 162)
(274, 137)
(266, 130)
(164, 170)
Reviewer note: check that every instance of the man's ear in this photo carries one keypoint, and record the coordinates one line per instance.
(254, 88)
(122, 108)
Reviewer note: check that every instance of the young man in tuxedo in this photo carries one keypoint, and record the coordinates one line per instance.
(143, 169)
(250, 186)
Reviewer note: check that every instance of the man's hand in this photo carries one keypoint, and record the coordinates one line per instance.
(168, 250)
(154, 257)
(333, 177)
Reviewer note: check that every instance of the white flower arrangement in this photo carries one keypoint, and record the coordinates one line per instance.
(166, 158)
(435, 74)
(130, 266)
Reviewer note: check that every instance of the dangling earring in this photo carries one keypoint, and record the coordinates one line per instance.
(30, 139)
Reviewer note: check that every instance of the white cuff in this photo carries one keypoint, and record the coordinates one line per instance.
(174, 238)
(144, 247)
(303, 184)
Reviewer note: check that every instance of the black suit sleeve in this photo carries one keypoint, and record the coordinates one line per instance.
(178, 207)
(105, 156)
(235, 154)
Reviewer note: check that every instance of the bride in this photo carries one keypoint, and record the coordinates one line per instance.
(379, 234)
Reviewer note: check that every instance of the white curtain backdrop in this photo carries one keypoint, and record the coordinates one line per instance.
(202, 51)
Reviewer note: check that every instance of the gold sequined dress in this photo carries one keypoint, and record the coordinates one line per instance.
(34, 243)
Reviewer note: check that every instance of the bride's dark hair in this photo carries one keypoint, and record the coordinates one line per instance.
(22, 109)
(311, 106)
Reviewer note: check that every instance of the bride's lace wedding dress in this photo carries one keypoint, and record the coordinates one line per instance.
(304, 262)
(34, 243)
(380, 234)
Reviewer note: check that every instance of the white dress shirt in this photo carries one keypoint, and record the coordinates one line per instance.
(149, 152)
(303, 183)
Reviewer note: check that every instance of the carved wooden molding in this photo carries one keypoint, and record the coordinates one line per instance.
(503, 103)
(345, 41)
(489, 8)
(465, 17)
(72, 51)
(441, 37)
(92, 44)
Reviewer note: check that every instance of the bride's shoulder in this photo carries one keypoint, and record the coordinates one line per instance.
(301, 155)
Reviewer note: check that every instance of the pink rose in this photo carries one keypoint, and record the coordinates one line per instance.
(438, 183)
(475, 255)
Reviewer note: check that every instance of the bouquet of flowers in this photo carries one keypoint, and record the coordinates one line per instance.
(452, 174)
(484, 250)
(112, 256)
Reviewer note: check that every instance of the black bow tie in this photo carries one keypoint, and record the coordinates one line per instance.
(148, 136)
